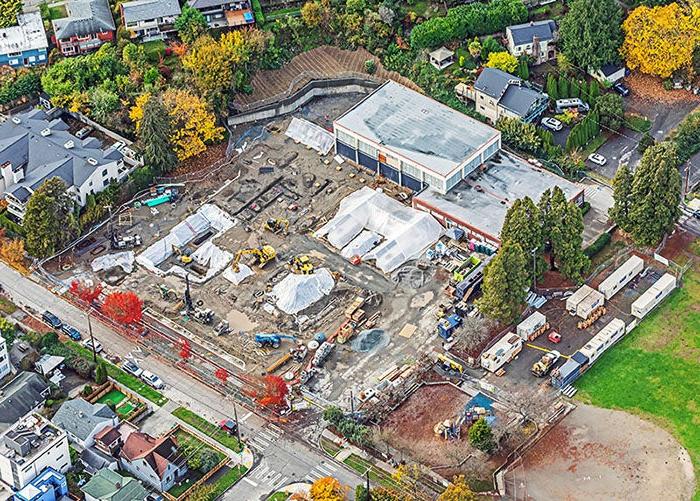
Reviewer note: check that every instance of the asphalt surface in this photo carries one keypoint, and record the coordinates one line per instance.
(280, 458)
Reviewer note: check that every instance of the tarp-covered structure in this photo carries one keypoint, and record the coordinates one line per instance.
(125, 260)
(310, 134)
(366, 213)
(295, 293)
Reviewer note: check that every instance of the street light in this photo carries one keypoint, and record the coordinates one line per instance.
(92, 339)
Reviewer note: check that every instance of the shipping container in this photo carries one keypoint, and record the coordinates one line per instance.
(502, 352)
(654, 295)
(578, 296)
(530, 325)
(590, 303)
(566, 374)
(621, 276)
(607, 336)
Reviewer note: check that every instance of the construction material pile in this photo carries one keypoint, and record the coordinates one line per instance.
(295, 292)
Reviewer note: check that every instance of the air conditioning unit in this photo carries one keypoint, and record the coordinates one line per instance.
(46, 132)
(69, 144)
(16, 120)
(91, 161)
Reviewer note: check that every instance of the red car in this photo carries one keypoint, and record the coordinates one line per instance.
(229, 426)
(554, 337)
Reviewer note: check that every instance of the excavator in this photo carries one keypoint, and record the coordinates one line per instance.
(277, 225)
(301, 265)
(182, 255)
(263, 255)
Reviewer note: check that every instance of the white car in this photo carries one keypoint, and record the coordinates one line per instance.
(552, 124)
(152, 380)
(88, 345)
(597, 159)
(132, 368)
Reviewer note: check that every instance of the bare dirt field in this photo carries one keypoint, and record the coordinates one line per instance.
(597, 453)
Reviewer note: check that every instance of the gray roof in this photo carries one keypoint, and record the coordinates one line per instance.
(80, 417)
(417, 127)
(20, 396)
(441, 53)
(205, 4)
(523, 33)
(45, 156)
(510, 91)
(142, 10)
(85, 17)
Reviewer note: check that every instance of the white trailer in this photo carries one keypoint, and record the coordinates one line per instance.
(502, 352)
(621, 277)
(654, 295)
(607, 336)
(590, 303)
(530, 325)
(573, 300)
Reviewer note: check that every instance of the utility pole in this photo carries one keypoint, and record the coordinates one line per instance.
(369, 494)
(235, 416)
(92, 339)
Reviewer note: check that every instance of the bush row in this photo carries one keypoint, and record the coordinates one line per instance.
(598, 245)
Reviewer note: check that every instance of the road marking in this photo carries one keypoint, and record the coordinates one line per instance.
(265, 436)
(543, 349)
(271, 481)
(261, 471)
(280, 483)
(330, 466)
(242, 420)
(324, 470)
(276, 428)
(254, 484)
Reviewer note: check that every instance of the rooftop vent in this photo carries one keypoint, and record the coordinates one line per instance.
(91, 161)
(46, 132)
(16, 120)
(69, 144)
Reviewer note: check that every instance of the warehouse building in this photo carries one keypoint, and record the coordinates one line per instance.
(413, 140)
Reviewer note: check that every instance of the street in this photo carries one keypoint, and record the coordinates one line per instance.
(282, 459)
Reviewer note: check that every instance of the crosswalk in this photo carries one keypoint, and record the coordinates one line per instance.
(263, 474)
(322, 469)
(266, 437)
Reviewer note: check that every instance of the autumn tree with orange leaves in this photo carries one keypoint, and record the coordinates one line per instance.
(12, 252)
(271, 392)
(327, 489)
(85, 292)
(123, 307)
(222, 375)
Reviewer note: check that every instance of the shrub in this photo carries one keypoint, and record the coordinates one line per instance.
(370, 66)
(481, 436)
(48, 340)
(87, 390)
(598, 245)
(585, 207)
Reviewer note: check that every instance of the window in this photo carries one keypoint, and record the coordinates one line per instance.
(14, 54)
(434, 182)
(412, 171)
(14, 62)
(105, 173)
(32, 59)
(367, 149)
(454, 180)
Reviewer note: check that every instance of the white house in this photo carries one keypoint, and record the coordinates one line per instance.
(82, 420)
(150, 19)
(609, 74)
(535, 39)
(5, 367)
(157, 462)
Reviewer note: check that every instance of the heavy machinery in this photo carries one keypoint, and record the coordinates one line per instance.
(203, 315)
(545, 364)
(182, 255)
(222, 328)
(449, 364)
(277, 225)
(271, 340)
(447, 326)
(263, 255)
(357, 303)
(125, 241)
(301, 265)
(167, 293)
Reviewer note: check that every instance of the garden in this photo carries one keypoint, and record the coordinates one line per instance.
(210, 429)
(122, 405)
(202, 461)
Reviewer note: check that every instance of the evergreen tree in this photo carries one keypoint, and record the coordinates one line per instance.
(563, 87)
(505, 284)
(481, 436)
(622, 192)
(574, 89)
(656, 192)
(50, 222)
(644, 143)
(552, 206)
(155, 133)
(523, 69)
(521, 226)
(583, 85)
(191, 24)
(566, 238)
(552, 87)
(593, 92)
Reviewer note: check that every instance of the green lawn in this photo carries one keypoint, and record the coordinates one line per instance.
(377, 475)
(637, 122)
(276, 14)
(227, 480)
(279, 496)
(594, 144)
(329, 447)
(7, 307)
(154, 49)
(114, 397)
(655, 371)
(210, 429)
(58, 12)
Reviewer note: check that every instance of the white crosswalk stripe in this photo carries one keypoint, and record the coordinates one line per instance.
(279, 484)
(260, 471)
(271, 480)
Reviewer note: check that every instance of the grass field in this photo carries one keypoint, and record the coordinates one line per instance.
(279, 496)
(637, 122)
(378, 475)
(114, 396)
(655, 371)
(210, 429)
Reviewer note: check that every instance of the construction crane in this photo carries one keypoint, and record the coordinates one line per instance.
(182, 255)
(301, 265)
(276, 225)
(263, 255)
(273, 340)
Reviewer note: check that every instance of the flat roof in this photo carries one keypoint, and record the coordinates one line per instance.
(483, 199)
(27, 34)
(417, 127)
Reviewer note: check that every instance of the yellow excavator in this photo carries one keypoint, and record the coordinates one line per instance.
(277, 225)
(263, 255)
(182, 256)
(301, 265)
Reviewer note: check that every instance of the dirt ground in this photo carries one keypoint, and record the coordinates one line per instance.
(603, 454)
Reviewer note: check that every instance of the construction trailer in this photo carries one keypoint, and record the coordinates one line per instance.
(505, 350)
(532, 326)
(654, 295)
(447, 326)
(589, 304)
(573, 300)
(569, 372)
(621, 277)
(607, 336)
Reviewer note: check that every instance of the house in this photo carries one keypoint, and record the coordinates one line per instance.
(82, 420)
(442, 58)
(105, 452)
(47, 364)
(35, 147)
(609, 74)
(155, 461)
(224, 13)
(50, 485)
(499, 94)
(5, 365)
(30, 446)
(26, 393)
(108, 485)
(413, 140)
(25, 44)
(88, 25)
(150, 19)
(535, 39)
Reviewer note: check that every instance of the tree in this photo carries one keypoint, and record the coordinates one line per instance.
(590, 33)
(155, 132)
(50, 222)
(574, 89)
(333, 414)
(687, 137)
(185, 350)
(408, 477)
(622, 193)
(566, 237)
(481, 435)
(458, 490)
(523, 68)
(100, 373)
(12, 252)
(208, 459)
(123, 307)
(191, 24)
(610, 111)
(84, 291)
(564, 64)
(327, 489)
(593, 92)
(8, 12)
(563, 87)
(274, 391)
(312, 14)
(520, 135)
(203, 492)
(8, 331)
(475, 48)
(522, 225)
(552, 89)
(661, 40)
(645, 142)
(222, 375)
(656, 192)
(502, 61)
(505, 284)
(490, 45)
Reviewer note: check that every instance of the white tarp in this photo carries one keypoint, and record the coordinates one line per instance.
(310, 134)
(125, 260)
(236, 278)
(407, 232)
(295, 293)
(361, 244)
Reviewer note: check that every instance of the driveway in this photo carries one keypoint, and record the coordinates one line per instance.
(596, 222)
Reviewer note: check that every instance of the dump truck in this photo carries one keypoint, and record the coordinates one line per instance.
(545, 364)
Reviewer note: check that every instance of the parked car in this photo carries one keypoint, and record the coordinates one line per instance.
(132, 368)
(88, 344)
(152, 380)
(71, 332)
(597, 159)
(229, 426)
(52, 320)
(621, 89)
(552, 124)
(554, 337)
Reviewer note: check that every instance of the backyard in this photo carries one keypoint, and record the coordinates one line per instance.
(210, 429)
(121, 404)
(191, 447)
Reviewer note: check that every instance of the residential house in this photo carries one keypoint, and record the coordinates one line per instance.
(5, 365)
(82, 420)
(609, 74)
(156, 461)
(50, 485)
(35, 147)
(225, 13)
(105, 452)
(30, 446)
(499, 94)
(25, 44)
(108, 485)
(88, 25)
(26, 393)
(150, 19)
(535, 39)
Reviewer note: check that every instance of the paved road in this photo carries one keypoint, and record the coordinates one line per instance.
(282, 459)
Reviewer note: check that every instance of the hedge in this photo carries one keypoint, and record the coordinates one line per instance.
(25, 84)
(258, 12)
(598, 245)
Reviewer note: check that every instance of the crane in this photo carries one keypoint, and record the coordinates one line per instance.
(273, 340)
(275, 225)
(263, 255)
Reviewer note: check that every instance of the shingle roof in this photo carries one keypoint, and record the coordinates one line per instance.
(108, 485)
(523, 33)
(508, 90)
(142, 10)
(80, 417)
(20, 396)
(157, 452)
(85, 17)
(205, 4)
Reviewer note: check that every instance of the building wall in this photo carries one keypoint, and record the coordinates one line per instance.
(56, 456)
(24, 59)
(80, 45)
(528, 49)
(100, 179)
(5, 366)
(143, 471)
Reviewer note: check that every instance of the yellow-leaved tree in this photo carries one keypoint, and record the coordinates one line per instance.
(327, 489)
(502, 61)
(458, 490)
(661, 40)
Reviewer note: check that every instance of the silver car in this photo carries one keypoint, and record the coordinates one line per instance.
(152, 380)
(552, 124)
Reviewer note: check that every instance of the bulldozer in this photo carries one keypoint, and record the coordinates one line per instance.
(277, 225)
(301, 265)
(182, 255)
(263, 255)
